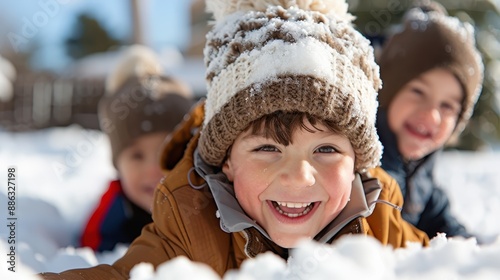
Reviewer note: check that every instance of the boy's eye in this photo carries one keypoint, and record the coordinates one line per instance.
(450, 109)
(137, 155)
(326, 150)
(266, 148)
(417, 91)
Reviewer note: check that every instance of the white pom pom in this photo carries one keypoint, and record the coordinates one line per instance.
(222, 8)
(7, 69)
(6, 89)
(135, 61)
(7, 76)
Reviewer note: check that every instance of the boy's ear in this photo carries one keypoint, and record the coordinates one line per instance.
(228, 170)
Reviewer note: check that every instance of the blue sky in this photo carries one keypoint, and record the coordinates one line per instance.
(49, 22)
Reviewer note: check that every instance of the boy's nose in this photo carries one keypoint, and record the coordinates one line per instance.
(298, 174)
(430, 114)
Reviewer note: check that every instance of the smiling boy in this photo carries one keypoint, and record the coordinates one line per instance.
(295, 187)
(283, 149)
(424, 114)
(140, 108)
(432, 75)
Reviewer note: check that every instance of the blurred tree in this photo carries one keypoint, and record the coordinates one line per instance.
(137, 25)
(199, 28)
(19, 57)
(378, 18)
(88, 37)
(20, 60)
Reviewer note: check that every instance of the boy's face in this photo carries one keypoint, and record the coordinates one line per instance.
(292, 191)
(140, 170)
(424, 113)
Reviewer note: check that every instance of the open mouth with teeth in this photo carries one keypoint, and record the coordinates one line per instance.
(418, 131)
(293, 209)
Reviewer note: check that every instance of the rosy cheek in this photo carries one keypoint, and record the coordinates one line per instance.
(240, 187)
(339, 185)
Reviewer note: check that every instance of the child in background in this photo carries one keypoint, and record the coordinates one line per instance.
(432, 76)
(140, 108)
(283, 149)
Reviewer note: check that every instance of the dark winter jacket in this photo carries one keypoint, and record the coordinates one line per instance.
(426, 205)
(197, 216)
(115, 220)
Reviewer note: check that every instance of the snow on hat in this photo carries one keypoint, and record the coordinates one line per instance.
(264, 56)
(139, 100)
(430, 39)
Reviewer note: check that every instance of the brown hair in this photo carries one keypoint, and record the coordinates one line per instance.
(280, 125)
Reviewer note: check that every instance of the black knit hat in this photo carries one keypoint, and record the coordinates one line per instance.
(432, 39)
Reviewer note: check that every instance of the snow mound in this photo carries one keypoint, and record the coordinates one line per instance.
(351, 257)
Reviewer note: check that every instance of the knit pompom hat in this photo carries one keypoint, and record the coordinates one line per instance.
(292, 56)
(140, 100)
(430, 39)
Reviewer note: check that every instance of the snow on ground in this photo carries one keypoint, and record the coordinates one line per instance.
(472, 181)
(61, 173)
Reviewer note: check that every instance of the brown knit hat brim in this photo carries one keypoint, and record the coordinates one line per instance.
(291, 94)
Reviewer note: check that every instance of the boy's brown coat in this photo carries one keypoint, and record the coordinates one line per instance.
(185, 222)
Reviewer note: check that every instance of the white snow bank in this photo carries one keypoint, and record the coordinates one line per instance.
(353, 257)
